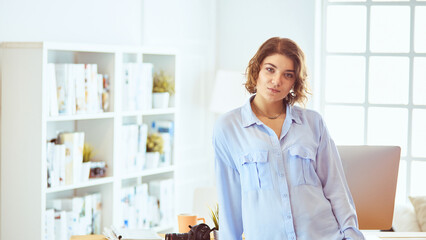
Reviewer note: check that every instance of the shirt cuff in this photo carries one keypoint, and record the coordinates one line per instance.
(353, 234)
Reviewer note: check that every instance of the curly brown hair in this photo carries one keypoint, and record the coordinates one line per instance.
(290, 49)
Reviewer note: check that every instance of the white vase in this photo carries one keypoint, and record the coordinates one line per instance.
(160, 100)
(172, 100)
(152, 160)
(85, 171)
(216, 234)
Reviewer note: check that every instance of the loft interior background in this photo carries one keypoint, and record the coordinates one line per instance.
(348, 44)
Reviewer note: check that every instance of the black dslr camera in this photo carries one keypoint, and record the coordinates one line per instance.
(197, 232)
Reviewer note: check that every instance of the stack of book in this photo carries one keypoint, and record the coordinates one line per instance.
(133, 142)
(148, 205)
(137, 86)
(163, 190)
(73, 216)
(76, 88)
(65, 159)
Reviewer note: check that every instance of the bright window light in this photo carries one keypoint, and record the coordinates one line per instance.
(390, 29)
(388, 126)
(374, 80)
(346, 124)
(419, 29)
(347, 0)
(401, 187)
(348, 89)
(418, 178)
(418, 142)
(419, 81)
(346, 28)
(389, 80)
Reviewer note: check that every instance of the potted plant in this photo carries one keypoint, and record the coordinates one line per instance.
(154, 147)
(163, 88)
(214, 214)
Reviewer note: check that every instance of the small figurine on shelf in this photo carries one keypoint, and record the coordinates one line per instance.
(91, 168)
(154, 147)
(163, 88)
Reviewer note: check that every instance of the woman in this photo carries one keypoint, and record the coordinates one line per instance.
(279, 175)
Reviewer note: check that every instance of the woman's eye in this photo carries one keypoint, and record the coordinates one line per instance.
(270, 69)
(289, 75)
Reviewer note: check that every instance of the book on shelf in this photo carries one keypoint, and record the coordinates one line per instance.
(93, 88)
(76, 88)
(148, 205)
(73, 216)
(55, 164)
(130, 147)
(137, 86)
(60, 225)
(70, 81)
(80, 87)
(74, 143)
(49, 225)
(165, 129)
(163, 190)
(51, 91)
(139, 209)
(133, 142)
(142, 138)
(105, 93)
(61, 87)
(51, 174)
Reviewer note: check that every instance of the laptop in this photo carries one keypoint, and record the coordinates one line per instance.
(371, 173)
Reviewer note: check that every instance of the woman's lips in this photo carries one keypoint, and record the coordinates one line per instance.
(273, 90)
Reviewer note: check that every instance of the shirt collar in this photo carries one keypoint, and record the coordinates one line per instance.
(247, 114)
(249, 118)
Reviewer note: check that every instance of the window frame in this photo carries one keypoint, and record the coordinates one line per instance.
(321, 63)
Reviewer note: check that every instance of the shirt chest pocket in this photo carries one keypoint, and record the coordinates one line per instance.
(255, 171)
(301, 165)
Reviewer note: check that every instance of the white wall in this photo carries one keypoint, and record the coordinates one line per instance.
(188, 25)
(94, 21)
(243, 25)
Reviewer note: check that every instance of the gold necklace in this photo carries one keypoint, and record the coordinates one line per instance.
(269, 117)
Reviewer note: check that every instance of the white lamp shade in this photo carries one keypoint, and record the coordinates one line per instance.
(228, 92)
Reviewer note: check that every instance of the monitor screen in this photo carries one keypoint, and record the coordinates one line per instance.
(371, 173)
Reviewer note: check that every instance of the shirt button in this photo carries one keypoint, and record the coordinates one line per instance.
(288, 217)
(285, 195)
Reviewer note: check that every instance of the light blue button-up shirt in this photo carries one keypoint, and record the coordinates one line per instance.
(275, 189)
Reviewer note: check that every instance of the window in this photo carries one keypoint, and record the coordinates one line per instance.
(374, 80)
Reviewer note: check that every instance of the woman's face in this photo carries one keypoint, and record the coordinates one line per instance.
(276, 78)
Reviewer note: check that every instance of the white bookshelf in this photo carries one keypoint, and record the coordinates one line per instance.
(26, 126)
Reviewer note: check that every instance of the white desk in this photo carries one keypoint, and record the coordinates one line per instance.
(395, 235)
(388, 235)
(369, 236)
